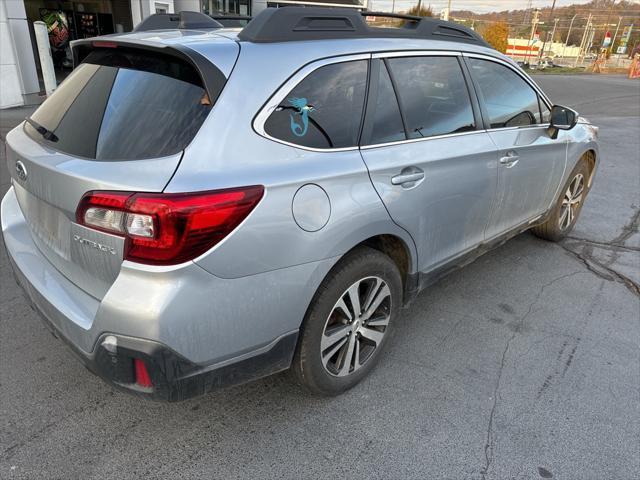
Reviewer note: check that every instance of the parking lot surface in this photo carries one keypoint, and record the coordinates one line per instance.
(524, 364)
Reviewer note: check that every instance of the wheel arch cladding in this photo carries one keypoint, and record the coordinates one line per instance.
(590, 157)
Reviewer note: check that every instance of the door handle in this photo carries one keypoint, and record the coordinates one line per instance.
(510, 159)
(407, 176)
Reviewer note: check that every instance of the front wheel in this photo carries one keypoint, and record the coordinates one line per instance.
(348, 322)
(564, 214)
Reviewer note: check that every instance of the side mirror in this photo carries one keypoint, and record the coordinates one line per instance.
(562, 118)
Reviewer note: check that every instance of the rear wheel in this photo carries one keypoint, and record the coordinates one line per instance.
(348, 322)
(565, 212)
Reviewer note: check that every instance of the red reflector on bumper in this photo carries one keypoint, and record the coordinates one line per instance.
(142, 375)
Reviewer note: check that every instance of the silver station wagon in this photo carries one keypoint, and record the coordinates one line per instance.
(198, 206)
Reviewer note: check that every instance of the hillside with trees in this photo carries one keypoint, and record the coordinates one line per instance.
(604, 12)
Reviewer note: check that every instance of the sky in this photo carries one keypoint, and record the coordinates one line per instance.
(478, 6)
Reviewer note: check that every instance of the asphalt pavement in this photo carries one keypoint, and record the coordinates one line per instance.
(524, 364)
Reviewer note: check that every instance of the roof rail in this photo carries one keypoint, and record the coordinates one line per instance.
(181, 20)
(318, 23)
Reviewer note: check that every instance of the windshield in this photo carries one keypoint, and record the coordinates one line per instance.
(123, 104)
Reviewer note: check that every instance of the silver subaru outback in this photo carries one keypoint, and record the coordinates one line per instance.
(197, 206)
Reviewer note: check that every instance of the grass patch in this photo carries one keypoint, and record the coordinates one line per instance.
(560, 71)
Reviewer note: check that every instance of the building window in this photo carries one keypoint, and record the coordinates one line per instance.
(234, 7)
(161, 7)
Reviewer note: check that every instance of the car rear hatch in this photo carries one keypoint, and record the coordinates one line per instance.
(119, 122)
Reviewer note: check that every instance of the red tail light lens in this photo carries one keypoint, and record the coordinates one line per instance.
(168, 228)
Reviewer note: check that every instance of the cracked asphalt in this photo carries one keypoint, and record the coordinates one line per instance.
(523, 365)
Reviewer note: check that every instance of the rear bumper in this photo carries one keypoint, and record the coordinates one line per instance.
(174, 378)
(194, 331)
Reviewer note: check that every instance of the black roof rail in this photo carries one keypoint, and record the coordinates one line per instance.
(181, 20)
(319, 23)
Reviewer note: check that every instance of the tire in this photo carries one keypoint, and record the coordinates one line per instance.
(565, 212)
(331, 364)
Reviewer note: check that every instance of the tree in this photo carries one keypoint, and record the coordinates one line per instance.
(420, 11)
(496, 34)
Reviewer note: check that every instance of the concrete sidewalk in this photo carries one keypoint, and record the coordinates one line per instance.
(10, 117)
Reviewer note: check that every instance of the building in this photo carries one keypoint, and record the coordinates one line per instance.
(523, 50)
(20, 75)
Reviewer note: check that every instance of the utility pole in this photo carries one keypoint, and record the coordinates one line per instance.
(553, 7)
(527, 12)
(606, 28)
(584, 39)
(534, 26)
(447, 12)
(553, 33)
(568, 33)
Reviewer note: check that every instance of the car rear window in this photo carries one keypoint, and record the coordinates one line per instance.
(122, 104)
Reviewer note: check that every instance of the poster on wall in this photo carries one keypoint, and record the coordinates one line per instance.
(57, 26)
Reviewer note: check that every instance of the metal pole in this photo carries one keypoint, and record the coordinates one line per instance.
(553, 33)
(46, 61)
(568, 33)
(534, 24)
(553, 7)
(615, 35)
(584, 37)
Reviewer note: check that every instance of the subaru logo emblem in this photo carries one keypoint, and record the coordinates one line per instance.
(21, 171)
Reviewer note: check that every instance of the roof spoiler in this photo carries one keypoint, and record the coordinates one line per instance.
(212, 78)
(180, 20)
(318, 23)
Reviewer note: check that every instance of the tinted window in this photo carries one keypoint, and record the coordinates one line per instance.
(433, 95)
(121, 105)
(510, 101)
(325, 109)
(387, 122)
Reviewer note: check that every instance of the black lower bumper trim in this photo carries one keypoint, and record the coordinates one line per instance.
(175, 378)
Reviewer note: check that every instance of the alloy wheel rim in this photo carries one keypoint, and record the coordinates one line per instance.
(571, 202)
(356, 326)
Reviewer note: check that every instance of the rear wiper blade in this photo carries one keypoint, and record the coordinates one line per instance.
(47, 134)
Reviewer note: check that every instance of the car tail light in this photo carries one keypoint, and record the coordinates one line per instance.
(167, 228)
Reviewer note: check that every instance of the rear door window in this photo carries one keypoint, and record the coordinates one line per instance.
(386, 121)
(510, 101)
(124, 104)
(325, 109)
(433, 95)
